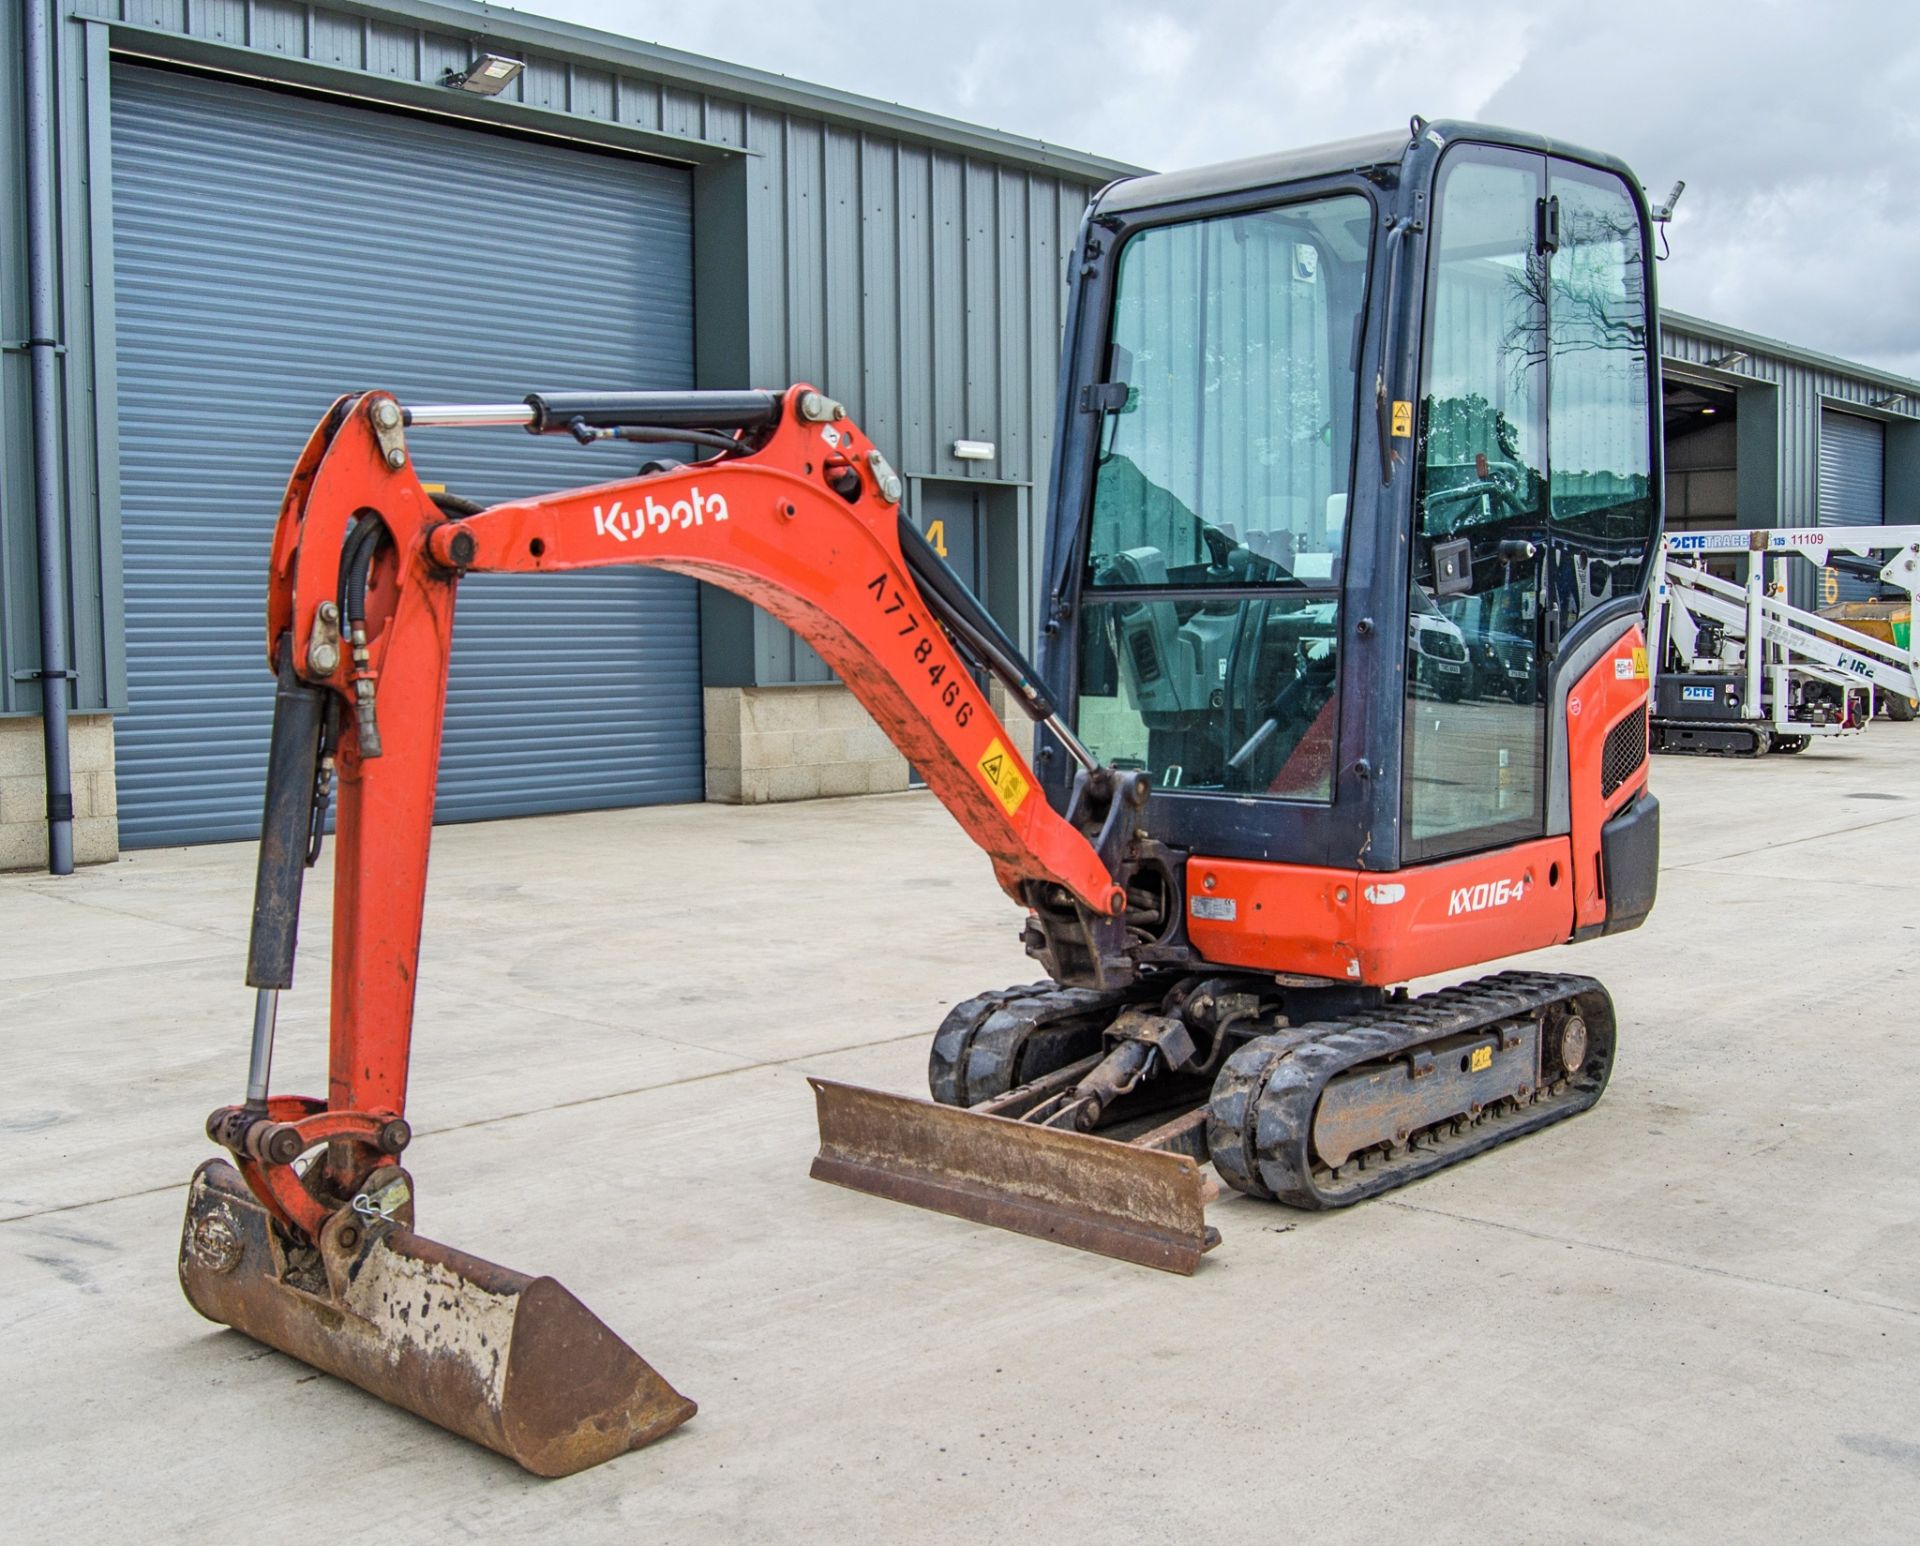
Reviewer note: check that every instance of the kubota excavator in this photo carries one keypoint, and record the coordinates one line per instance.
(1342, 682)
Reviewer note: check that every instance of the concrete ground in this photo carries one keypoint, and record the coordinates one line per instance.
(1693, 1314)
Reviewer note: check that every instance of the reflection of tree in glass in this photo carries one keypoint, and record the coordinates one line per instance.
(1459, 432)
(1131, 510)
(1591, 302)
(1461, 428)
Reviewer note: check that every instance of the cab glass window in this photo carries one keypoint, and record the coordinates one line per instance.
(1227, 442)
(1473, 773)
(1227, 697)
(1210, 621)
(1601, 487)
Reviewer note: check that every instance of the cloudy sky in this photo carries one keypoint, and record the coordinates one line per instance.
(1789, 121)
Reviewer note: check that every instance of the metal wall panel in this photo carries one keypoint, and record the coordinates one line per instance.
(840, 219)
(924, 289)
(1853, 489)
(273, 250)
(87, 490)
(1853, 454)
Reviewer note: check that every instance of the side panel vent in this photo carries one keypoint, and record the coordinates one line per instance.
(1625, 750)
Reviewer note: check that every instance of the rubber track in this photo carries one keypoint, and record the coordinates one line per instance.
(979, 1050)
(1260, 1119)
(1235, 1102)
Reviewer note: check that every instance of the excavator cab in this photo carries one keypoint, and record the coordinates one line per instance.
(1341, 683)
(1355, 491)
(1357, 460)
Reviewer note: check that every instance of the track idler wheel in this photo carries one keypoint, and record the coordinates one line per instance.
(994, 1042)
(512, 1362)
(1232, 1110)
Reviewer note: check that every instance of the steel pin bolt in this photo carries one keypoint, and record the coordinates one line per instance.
(216, 1242)
(885, 478)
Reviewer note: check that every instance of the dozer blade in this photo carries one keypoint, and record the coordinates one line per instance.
(1119, 1199)
(512, 1362)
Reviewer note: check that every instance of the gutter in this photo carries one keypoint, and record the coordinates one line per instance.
(42, 350)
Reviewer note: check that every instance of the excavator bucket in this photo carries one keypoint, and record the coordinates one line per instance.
(1134, 1201)
(512, 1362)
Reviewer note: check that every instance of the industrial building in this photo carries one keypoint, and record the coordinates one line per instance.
(257, 204)
(1764, 433)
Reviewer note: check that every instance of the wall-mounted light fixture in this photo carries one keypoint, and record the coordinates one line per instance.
(1728, 360)
(488, 75)
(1889, 400)
(973, 450)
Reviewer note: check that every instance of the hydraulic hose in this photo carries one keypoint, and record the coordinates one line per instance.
(356, 564)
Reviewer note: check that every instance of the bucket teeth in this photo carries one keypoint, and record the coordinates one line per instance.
(512, 1362)
(1123, 1200)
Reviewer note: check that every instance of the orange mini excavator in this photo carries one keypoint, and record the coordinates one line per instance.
(1341, 683)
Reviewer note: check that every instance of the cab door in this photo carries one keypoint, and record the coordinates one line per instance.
(1534, 501)
(1474, 758)
(1602, 507)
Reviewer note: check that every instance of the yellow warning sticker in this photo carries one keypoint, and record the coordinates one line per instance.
(1640, 663)
(1402, 420)
(1003, 776)
(1479, 1060)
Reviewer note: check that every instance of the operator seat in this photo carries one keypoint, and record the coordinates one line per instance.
(1157, 663)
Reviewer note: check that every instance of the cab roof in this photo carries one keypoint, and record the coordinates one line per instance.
(1291, 166)
(1286, 166)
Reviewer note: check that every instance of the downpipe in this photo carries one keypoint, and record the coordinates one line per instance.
(42, 352)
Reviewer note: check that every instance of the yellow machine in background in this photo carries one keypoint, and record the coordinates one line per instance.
(1891, 622)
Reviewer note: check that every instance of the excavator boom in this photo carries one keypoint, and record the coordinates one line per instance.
(798, 512)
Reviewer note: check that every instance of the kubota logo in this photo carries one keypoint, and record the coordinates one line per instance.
(1489, 893)
(624, 525)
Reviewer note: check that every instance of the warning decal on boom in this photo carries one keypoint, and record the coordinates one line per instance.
(1003, 775)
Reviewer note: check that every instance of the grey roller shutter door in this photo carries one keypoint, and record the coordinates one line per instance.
(1853, 461)
(272, 251)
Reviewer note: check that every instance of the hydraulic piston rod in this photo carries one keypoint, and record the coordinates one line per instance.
(467, 415)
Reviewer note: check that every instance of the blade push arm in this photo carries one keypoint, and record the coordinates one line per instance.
(801, 517)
